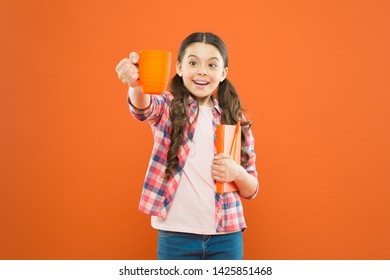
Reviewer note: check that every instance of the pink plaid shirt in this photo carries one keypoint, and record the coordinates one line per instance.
(158, 193)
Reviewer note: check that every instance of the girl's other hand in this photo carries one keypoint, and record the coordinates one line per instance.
(224, 168)
(127, 70)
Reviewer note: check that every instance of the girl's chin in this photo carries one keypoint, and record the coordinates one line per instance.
(202, 92)
(201, 95)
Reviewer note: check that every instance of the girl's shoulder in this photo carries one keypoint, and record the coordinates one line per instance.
(166, 96)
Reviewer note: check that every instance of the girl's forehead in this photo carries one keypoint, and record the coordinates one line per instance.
(202, 51)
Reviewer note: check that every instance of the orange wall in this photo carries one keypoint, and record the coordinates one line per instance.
(314, 79)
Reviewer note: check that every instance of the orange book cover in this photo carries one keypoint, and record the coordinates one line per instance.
(229, 142)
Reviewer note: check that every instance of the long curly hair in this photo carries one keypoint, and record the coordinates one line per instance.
(226, 95)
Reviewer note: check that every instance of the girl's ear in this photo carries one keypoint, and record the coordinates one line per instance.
(224, 74)
(178, 69)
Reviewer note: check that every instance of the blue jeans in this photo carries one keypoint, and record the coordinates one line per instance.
(187, 246)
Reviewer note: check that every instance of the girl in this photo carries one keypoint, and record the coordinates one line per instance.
(193, 221)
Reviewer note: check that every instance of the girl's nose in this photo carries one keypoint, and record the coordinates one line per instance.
(202, 71)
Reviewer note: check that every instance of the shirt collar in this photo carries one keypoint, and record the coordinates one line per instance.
(192, 100)
(216, 105)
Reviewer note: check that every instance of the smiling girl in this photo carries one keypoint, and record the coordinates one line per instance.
(193, 221)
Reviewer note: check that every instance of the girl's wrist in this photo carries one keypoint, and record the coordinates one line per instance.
(240, 173)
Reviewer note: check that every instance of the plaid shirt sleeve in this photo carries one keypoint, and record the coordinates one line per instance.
(157, 193)
(153, 112)
(251, 166)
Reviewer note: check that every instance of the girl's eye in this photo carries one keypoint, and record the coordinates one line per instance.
(193, 63)
(212, 65)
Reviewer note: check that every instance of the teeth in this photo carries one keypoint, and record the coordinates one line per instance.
(201, 82)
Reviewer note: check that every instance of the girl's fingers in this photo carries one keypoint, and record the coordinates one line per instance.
(134, 57)
(121, 64)
(217, 170)
(127, 70)
(135, 76)
(122, 71)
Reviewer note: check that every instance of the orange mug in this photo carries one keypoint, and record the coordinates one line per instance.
(154, 68)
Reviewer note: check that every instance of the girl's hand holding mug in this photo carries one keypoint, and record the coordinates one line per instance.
(127, 70)
(148, 70)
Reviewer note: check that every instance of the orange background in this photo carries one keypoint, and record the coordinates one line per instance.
(313, 77)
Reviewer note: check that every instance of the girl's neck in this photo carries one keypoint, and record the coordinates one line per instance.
(205, 101)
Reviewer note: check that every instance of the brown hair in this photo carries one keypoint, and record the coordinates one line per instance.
(227, 97)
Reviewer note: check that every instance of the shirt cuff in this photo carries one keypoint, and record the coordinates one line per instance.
(139, 112)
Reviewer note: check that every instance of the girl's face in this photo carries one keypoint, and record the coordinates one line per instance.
(202, 69)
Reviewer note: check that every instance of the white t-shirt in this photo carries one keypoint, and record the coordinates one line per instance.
(193, 207)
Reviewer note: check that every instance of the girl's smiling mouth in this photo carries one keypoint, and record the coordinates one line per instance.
(200, 82)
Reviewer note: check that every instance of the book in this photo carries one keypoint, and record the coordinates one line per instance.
(229, 142)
